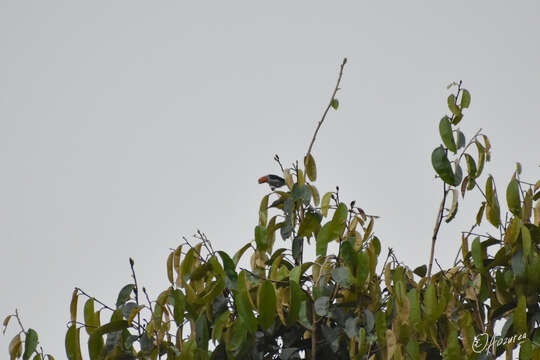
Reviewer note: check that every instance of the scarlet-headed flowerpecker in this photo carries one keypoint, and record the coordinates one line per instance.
(273, 181)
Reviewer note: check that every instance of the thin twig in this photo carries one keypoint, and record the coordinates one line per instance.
(132, 264)
(19, 321)
(468, 233)
(469, 144)
(96, 300)
(276, 158)
(436, 229)
(328, 107)
(153, 318)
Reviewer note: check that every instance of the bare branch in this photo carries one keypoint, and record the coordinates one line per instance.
(328, 107)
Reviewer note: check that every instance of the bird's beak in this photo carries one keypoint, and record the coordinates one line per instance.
(263, 179)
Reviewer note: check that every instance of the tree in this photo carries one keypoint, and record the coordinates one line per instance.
(347, 305)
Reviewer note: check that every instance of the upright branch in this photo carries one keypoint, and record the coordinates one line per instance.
(440, 214)
(436, 229)
(132, 264)
(330, 104)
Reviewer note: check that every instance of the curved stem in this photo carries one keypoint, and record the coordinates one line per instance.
(328, 107)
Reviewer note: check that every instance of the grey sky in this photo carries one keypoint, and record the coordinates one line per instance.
(125, 125)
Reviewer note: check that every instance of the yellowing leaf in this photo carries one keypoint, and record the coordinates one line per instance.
(15, 347)
(315, 195)
(288, 178)
(527, 206)
(311, 169)
(170, 275)
(73, 305)
(5, 323)
(263, 211)
(325, 203)
(134, 313)
(454, 207)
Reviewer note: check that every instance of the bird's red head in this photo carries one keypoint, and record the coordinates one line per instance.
(263, 179)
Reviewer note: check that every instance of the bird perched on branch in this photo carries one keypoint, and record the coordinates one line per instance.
(273, 181)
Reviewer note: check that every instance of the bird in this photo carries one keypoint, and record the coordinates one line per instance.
(273, 181)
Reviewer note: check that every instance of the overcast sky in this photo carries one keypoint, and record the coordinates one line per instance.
(125, 125)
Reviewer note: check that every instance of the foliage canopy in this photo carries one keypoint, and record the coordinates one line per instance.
(355, 304)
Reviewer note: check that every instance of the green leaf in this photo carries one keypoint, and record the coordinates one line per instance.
(263, 211)
(430, 304)
(301, 192)
(244, 305)
(453, 348)
(124, 295)
(493, 213)
(414, 310)
(460, 139)
(512, 197)
(30, 343)
(348, 253)
(442, 166)
(239, 332)
(413, 350)
(239, 253)
(362, 269)
(321, 305)
(297, 296)
(458, 173)
(335, 103)
(471, 166)
(310, 224)
(421, 270)
(520, 316)
(261, 238)
(201, 332)
(179, 306)
(445, 130)
(267, 304)
(286, 228)
(476, 252)
(343, 276)
(376, 245)
(91, 318)
(95, 345)
(219, 324)
(323, 238)
(229, 266)
(518, 264)
(526, 241)
(73, 346)
(325, 203)
(452, 105)
(380, 327)
(340, 216)
(311, 168)
(114, 325)
(465, 98)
